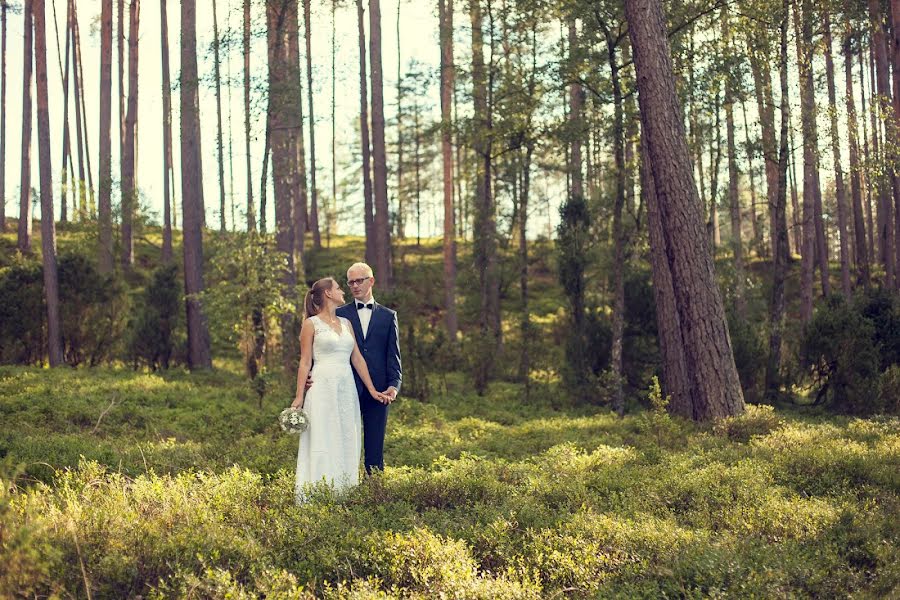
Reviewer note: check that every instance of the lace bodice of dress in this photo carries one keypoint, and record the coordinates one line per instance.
(329, 346)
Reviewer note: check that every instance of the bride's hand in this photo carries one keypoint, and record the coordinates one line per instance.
(378, 396)
(297, 403)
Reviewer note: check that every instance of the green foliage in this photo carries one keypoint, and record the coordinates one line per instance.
(22, 313)
(92, 310)
(155, 331)
(839, 350)
(750, 353)
(572, 258)
(756, 420)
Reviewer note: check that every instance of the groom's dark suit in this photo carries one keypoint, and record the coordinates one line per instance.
(380, 346)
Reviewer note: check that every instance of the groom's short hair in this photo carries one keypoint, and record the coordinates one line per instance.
(363, 266)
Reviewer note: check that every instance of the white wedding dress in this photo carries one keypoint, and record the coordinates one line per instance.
(330, 448)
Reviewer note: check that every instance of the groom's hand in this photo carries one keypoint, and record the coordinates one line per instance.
(391, 394)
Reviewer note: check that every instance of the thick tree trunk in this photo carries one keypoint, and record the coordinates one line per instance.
(383, 268)
(734, 203)
(220, 146)
(294, 114)
(676, 381)
(24, 231)
(893, 128)
(129, 187)
(3, 8)
(313, 189)
(714, 380)
(841, 194)
(48, 228)
(859, 227)
(368, 214)
(199, 356)
(765, 103)
(445, 15)
(105, 200)
(168, 170)
(890, 185)
(251, 208)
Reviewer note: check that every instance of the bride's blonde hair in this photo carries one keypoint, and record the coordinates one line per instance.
(315, 297)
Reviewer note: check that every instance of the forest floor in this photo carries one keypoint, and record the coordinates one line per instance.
(175, 485)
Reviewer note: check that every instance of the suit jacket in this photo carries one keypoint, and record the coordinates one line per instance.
(380, 347)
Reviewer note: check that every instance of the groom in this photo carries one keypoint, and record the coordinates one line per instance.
(377, 335)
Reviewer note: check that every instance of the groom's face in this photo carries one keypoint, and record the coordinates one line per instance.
(361, 288)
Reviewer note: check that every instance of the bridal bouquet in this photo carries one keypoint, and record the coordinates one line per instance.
(293, 420)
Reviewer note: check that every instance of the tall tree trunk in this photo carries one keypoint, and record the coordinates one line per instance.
(66, 144)
(120, 45)
(334, 174)
(864, 177)
(893, 128)
(676, 381)
(734, 201)
(714, 380)
(105, 200)
(796, 217)
(715, 161)
(24, 232)
(780, 249)
(168, 170)
(760, 57)
(841, 194)
(220, 146)
(485, 226)
(48, 229)
(883, 100)
(85, 179)
(264, 177)
(383, 269)
(314, 190)
(859, 226)
(368, 214)
(401, 189)
(749, 152)
(803, 27)
(284, 94)
(199, 356)
(129, 187)
(448, 74)
(298, 151)
(3, 8)
(251, 208)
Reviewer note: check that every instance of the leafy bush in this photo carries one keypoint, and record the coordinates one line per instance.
(154, 331)
(882, 309)
(22, 314)
(750, 354)
(757, 419)
(839, 350)
(92, 308)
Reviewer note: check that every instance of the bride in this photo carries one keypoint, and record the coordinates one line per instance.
(330, 447)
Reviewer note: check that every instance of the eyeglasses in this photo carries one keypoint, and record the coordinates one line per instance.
(357, 282)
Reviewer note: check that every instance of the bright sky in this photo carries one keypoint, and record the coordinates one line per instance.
(419, 31)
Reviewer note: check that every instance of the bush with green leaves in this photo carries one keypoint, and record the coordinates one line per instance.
(839, 350)
(22, 313)
(156, 329)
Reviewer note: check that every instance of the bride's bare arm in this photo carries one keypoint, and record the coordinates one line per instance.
(307, 333)
(359, 363)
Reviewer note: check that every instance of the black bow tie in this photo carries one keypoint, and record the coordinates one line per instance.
(360, 306)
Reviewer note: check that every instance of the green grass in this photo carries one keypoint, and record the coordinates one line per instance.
(179, 485)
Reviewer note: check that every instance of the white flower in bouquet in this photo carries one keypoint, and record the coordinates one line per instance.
(293, 420)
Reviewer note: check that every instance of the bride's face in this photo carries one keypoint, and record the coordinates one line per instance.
(335, 294)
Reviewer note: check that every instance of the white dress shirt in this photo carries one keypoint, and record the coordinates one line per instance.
(365, 314)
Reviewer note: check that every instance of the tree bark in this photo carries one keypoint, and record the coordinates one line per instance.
(120, 45)
(168, 171)
(383, 268)
(48, 228)
(129, 186)
(313, 188)
(445, 15)
(104, 200)
(220, 146)
(841, 194)
(24, 231)
(859, 226)
(294, 116)
(368, 214)
(760, 57)
(734, 202)
(714, 379)
(86, 204)
(199, 356)
(66, 144)
(251, 208)
(3, 8)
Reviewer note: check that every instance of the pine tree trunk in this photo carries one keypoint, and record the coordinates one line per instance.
(448, 68)
(676, 381)
(24, 232)
(86, 205)
(803, 27)
(883, 100)
(251, 208)
(264, 177)
(401, 189)
(199, 356)
(841, 194)
(796, 217)
(734, 201)
(220, 146)
(758, 242)
(383, 269)
(105, 191)
(298, 151)
(66, 144)
(313, 188)
(3, 8)
(368, 214)
(765, 104)
(120, 45)
(859, 227)
(714, 379)
(48, 228)
(780, 249)
(715, 162)
(129, 187)
(168, 170)
(893, 127)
